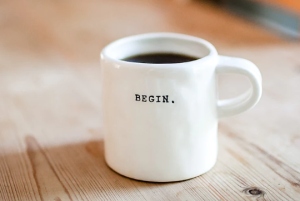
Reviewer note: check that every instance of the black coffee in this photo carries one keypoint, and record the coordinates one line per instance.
(160, 58)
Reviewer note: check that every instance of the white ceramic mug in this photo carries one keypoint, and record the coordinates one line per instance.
(160, 120)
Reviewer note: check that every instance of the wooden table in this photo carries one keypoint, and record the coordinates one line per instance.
(51, 145)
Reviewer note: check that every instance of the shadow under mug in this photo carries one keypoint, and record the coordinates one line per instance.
(173, 135)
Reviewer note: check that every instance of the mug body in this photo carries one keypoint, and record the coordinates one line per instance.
(159, 120)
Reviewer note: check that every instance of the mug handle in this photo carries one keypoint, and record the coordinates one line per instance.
(247, 100)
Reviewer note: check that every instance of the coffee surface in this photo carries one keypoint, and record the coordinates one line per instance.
(160, 58)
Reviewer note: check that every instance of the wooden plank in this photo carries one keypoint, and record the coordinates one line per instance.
(51, 143)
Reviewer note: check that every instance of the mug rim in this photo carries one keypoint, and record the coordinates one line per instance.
(212, 50)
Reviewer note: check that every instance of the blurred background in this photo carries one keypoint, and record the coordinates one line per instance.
(281, 16)
(41, 42)
(76, 30)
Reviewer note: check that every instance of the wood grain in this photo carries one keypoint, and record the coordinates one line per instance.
(51, 145)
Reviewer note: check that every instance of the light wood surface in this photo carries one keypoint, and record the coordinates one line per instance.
(51, 145)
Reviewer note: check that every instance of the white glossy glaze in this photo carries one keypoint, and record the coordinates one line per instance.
(162, 142)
